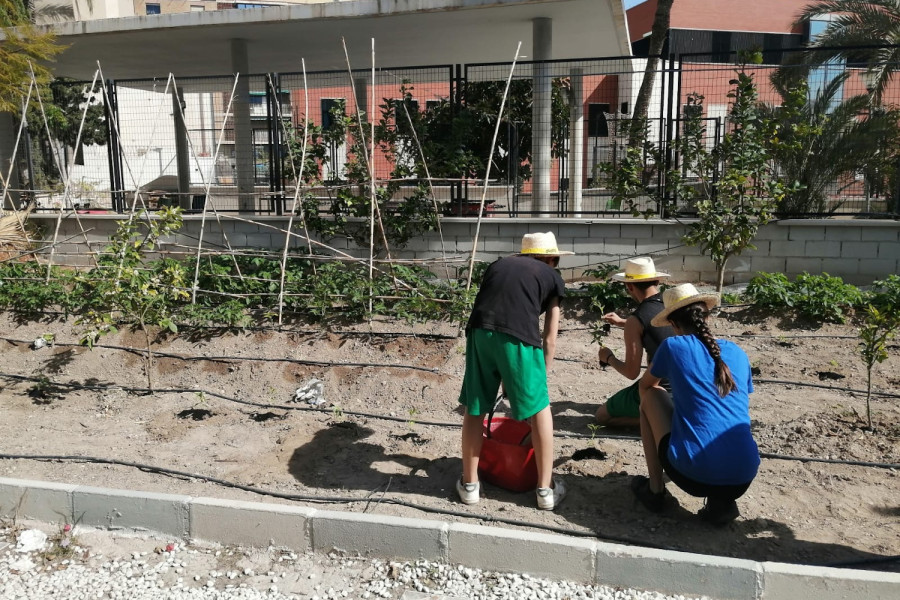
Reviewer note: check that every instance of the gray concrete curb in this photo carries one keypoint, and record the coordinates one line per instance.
(490, 548)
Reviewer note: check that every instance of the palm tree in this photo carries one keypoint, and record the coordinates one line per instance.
(659, 33)
(820, 140)
(860, 32)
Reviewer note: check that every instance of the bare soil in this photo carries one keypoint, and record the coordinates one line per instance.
(386, 440)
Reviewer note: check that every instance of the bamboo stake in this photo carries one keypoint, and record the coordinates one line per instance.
(299, 180)
(207, 185)
(437, 215)
(137, 192)
(309, 240)
(487, 174)
(12, 163)
(206, 197)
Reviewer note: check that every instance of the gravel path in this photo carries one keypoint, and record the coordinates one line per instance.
(83, 563)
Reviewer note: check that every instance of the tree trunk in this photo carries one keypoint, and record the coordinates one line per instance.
(658, 36)
(149, 355)
(869, 398)
(720, 283)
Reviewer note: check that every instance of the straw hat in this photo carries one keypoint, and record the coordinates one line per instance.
(639, 269)
(679, 297)
(541, 244)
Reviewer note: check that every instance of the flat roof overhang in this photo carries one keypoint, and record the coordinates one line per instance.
(405, 33)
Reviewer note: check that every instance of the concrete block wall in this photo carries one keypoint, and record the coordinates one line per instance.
(858, 251)
(300, 528)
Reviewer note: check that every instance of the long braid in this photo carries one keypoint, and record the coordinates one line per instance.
(694, 316)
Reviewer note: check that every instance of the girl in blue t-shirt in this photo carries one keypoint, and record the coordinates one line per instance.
(699, 435)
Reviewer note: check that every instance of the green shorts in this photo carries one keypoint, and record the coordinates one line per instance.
(625, 402)
(492, 357)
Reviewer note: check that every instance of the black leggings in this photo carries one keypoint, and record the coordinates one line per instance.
(721, 493)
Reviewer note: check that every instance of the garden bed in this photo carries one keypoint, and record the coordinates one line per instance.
(386, 439)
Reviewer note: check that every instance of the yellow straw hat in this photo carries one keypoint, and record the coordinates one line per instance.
(679, 297)
(541, 244)
(639, 269)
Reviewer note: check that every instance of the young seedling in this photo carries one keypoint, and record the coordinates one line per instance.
(877, 330)
(594, 427)
(411, 423)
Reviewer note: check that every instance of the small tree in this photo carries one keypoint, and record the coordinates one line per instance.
(737, 189)
(65, 102)
(124, 289)
(877, 330)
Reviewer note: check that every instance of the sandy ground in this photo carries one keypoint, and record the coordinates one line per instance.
(386, 440)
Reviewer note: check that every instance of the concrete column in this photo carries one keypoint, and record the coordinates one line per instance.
(8, 132)
(542, 43)
(182, 155)
(576, 139)
(243, 133)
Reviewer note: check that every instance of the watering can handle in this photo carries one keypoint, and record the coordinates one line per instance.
(500, 396)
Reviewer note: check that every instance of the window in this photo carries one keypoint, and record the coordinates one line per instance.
(196, 8)
(152, 9)
(597, 125)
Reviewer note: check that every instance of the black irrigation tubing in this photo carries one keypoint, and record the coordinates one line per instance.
(331, 499)
(570, 435)
(287, 329)
(226, 358)
(831, 461)
(825, 387)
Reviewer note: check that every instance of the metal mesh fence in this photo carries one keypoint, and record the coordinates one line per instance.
(563, 131)
(565, 126)
(834, 134)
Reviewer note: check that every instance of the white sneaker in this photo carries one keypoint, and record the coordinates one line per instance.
(469, 493)
(550, 498)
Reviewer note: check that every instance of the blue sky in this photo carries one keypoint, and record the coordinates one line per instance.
(630, 3)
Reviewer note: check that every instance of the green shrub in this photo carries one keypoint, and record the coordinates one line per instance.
(825, 298)
(606, 295)
(770, 290)
(885, 294)
(822, 298)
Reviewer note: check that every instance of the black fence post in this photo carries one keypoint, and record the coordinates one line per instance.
(113, 149)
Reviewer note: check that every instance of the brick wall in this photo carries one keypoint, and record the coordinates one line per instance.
(857, 251)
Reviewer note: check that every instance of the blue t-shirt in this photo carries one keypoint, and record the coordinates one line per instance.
(711, 440)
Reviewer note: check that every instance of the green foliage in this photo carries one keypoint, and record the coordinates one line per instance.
(738, 196)
(733, 188)
(605, 296)
(885, 294)
(824, 298)
(770, 290)
(126, 289)
(23, 48)
(821, 298)
(877, 330)
(818, 140)
(64, 103)
(348, 212)
(24, 288)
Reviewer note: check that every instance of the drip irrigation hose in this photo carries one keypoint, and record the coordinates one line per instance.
(330, 499)
(225, 358)
(570, 435)
(825, 387)
(368, 501)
